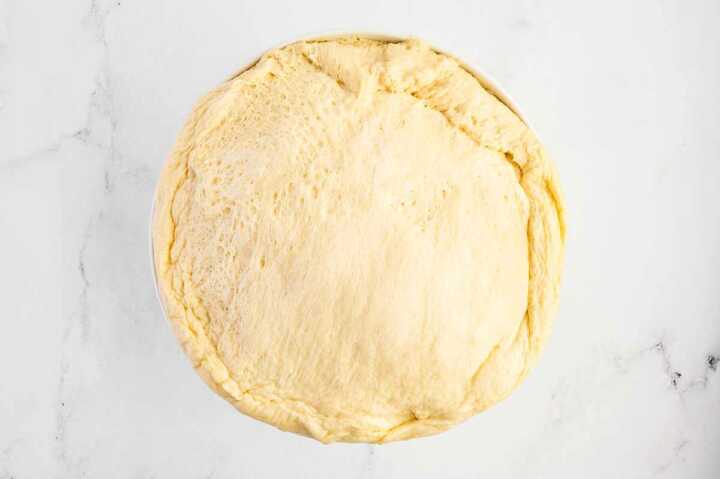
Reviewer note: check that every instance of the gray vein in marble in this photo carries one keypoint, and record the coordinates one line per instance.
(99, 131)
(677, 381)
(673, 375)
(712, 362)
(43, 154)
(676, 377)
(82, 314)
(677, 456)
(80, 318)
(100, 127)
(96, 19)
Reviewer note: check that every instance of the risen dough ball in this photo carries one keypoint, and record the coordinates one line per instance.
(357, 242)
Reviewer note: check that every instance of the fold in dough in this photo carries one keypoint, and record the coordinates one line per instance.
(355, 241)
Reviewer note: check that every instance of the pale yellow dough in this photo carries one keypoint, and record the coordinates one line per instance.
(357, 242)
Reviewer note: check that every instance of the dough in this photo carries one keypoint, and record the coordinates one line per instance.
(355, 241)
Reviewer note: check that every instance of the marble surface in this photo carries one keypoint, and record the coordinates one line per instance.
(625, 95)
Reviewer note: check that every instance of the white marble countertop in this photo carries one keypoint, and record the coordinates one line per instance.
(626, 95)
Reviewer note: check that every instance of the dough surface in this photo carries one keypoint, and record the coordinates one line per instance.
(355, 241)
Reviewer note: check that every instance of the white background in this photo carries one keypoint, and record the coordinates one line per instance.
(626, 96)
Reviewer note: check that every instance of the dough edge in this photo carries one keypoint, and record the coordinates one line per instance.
(546, 236)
